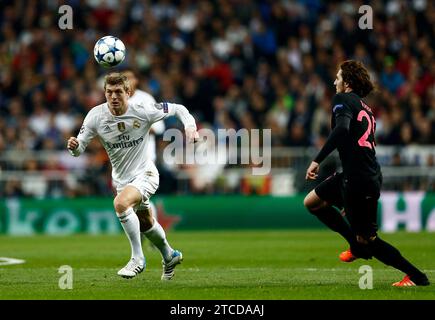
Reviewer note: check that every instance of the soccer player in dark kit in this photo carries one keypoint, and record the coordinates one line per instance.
(357, 188)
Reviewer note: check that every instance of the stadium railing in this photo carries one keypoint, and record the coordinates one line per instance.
(404, 169)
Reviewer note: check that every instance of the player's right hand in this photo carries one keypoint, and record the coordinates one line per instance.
(312, 171)
(73, 143)
(192, 135)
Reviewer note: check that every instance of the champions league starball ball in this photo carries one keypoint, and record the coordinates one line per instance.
(109, 51)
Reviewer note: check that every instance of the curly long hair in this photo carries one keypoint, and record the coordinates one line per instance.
(355, 74)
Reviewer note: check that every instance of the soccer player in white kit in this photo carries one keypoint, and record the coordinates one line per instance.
(138, 96)
(123, 129)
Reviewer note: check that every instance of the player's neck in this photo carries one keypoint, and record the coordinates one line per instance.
(118, 111)
(347, 90)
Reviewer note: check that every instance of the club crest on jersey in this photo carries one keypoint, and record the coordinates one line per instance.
(121, 126)
(136, 124)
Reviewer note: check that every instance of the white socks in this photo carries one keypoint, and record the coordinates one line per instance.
(157, 236)
(130, 224)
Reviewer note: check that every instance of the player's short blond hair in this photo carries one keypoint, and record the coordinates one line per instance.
(117, 78)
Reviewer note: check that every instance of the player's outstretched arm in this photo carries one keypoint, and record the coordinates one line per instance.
(181, 112)
(188, 120)
(159, 111)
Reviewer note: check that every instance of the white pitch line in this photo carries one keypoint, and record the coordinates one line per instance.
(4, 261)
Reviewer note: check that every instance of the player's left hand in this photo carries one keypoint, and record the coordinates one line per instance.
(192, 135)
(312, 171)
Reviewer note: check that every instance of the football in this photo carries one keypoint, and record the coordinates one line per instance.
(109, 51)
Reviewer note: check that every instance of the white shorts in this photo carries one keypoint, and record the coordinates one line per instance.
(147, 183)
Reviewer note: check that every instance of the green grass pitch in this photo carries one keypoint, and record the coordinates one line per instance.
(217, 265)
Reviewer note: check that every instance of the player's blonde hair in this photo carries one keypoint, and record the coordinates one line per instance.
(116, 78)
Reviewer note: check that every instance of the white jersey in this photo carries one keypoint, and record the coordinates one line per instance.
(125, 137)
(158, 127)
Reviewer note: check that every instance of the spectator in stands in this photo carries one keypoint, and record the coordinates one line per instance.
(391, 79)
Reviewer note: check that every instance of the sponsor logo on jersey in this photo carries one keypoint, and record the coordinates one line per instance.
(136, 124)
(121, 126)
(107, 129)
(82, 129)
(124, 144)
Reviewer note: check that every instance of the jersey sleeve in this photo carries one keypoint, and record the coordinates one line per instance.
(159, 111)
(158, 127)
(340, 108)
(335, 139)
(87, 132)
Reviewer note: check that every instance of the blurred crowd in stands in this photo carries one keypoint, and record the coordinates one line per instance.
(232, 63)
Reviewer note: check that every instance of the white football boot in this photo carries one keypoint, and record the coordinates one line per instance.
(169, 267)
(132, 269)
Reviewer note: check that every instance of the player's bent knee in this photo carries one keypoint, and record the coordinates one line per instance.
(120, 204)
(308, 201)
(312, 202)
